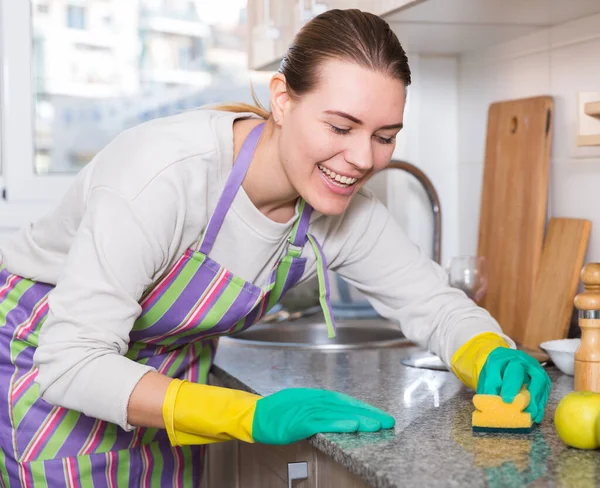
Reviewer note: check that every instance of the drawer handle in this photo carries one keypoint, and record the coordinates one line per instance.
(297, 472)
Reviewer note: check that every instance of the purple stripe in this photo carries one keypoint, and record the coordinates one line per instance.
(181, 263)
(198, 460)
(300, 238)
(236, 177)
(53, 471)
(295, 273)
(11, 469)
(27, 302)
(179, 309)
(78, 436)
(4, 276)
(99, 462)
(122, 439)
(168, 464)
(240, 307)
(32, 422)
(135, 464)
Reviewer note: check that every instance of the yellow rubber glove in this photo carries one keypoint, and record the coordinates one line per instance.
(203, 414)
(468, 361)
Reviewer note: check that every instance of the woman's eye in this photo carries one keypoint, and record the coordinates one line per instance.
(337, 130)
(385, 140)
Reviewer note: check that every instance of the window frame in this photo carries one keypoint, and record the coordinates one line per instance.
(20, 182)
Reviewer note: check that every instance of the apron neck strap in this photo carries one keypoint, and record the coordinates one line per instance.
(298, 236)
(324, 287)
(236, 177)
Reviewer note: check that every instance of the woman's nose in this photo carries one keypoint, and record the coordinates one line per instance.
(360, 155)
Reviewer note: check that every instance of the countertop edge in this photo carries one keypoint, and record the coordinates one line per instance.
(319, 441)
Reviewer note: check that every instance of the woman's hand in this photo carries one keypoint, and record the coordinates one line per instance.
(488, 365)
(298, 413)
(203, 414)
(506, 371)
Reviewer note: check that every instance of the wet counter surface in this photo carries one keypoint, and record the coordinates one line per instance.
(432, 443)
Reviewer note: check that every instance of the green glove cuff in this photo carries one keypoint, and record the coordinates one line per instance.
(470, 358)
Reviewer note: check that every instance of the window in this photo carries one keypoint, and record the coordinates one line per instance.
(82, 85)
(75, 17)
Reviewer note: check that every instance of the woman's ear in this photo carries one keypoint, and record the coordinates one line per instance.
(279, 97)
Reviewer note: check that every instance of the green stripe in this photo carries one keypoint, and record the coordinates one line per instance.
(297, 223)
(32, 393)
(282, 273)
(58, 438)
(157, 459)
(109, 437)
(18, 346)
(12, 298)
(84, 464)
(3, 471)
(217, 309)
(168, 298)
(204, 363)
(149, 435)
(37, 470)
(122, 461)
(188, 480)
(176, 363)
(322, 289)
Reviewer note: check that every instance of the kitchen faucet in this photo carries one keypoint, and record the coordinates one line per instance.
(433, 200)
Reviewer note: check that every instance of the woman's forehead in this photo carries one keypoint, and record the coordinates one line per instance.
(364, 93)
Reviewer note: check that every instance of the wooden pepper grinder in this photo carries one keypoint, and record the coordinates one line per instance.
(587, 356)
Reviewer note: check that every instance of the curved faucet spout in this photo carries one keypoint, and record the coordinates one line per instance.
(433, 199)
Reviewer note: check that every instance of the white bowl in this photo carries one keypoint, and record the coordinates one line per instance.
(562, 353)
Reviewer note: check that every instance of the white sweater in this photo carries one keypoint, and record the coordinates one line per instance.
(142, 201)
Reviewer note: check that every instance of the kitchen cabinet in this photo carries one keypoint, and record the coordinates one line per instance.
(443, 27)
(272, 25)
(241, 465)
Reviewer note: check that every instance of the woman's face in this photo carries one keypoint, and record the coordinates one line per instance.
(334, 138)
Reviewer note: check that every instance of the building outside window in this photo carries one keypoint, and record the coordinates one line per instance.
(149, 59)
(75, 17)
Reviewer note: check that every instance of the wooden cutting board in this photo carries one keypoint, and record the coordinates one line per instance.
(513, 206)
(562, 260)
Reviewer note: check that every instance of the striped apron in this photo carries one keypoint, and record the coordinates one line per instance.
(183, 315)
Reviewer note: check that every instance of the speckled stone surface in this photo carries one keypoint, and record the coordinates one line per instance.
(432, 443)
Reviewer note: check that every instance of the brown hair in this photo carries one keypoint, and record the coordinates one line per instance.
(350, 35)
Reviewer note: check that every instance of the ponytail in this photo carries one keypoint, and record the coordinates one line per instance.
(238, 107)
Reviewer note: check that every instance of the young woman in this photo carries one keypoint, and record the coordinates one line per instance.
(190, 227)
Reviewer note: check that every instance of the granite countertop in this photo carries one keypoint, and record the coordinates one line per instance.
(432, 443)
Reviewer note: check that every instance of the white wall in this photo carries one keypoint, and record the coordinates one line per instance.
(429, 141)
(561, 62)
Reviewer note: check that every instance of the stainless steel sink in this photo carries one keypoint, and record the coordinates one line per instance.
(312, 334)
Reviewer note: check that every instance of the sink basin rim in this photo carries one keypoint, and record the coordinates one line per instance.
(308, 326)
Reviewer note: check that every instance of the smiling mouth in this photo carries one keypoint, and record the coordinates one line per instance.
(338, 180)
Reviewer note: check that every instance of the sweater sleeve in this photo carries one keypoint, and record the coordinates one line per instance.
(405, 285)
(92, 309)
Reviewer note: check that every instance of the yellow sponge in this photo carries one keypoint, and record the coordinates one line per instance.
(493, 415)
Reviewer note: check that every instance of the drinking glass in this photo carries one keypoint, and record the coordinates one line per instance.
(469, 274)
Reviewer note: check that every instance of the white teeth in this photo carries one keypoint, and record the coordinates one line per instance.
(339, 180)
